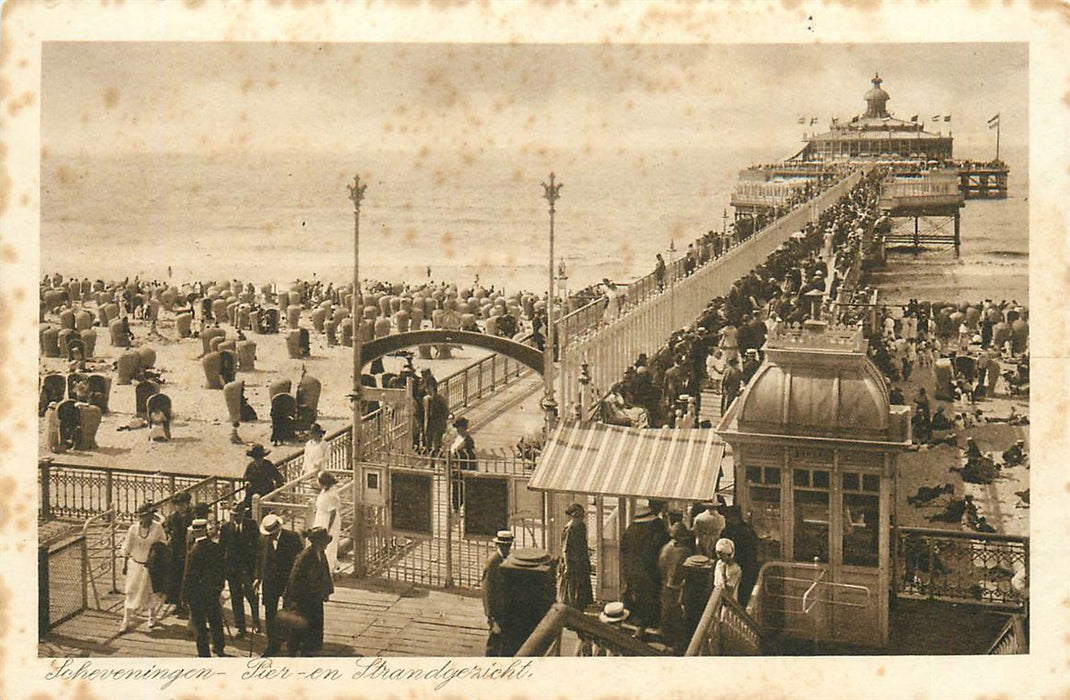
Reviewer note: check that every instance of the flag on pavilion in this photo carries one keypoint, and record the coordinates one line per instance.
(994, 121)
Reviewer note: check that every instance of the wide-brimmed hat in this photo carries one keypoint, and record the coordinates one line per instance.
(270, 524)
(613, 612)
(319, 534)
(326, 478)
(645, 515)
(504, 537)
(145, 509)
(317, 429)
(257, 450)
(461, 422)
(575, 509)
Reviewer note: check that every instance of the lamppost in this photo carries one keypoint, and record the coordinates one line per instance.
(551, 193)
(562, 286)
(356, 195)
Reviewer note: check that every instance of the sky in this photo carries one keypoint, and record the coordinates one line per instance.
(119, 98)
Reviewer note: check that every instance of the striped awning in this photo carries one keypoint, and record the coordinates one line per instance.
(665, 463)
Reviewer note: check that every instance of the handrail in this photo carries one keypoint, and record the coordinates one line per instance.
(86, 567)
(709, 623)
(561, 617)
(1012, 638)
(963, 535)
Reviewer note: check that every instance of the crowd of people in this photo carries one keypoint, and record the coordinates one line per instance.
(725, 344)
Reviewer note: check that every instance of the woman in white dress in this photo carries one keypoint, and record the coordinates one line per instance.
(139, 540)
(329, 515)
(315, 450)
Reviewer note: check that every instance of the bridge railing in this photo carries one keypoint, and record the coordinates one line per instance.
(612, 347)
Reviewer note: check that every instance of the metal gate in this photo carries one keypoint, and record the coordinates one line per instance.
(428, 523)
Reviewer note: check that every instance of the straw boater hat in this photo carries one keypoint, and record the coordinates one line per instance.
(503, 537)
(614, 612)
(199, 525)
(257, 450)
(270, 524)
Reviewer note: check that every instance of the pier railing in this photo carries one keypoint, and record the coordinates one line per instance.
(968, 567)
(612, 346)
(549, 637)
(725, 629)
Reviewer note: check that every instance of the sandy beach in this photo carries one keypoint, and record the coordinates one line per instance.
(201, 428)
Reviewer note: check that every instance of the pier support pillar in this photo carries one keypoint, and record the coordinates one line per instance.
(958, 237)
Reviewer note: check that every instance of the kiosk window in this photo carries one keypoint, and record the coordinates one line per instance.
(861, 513)
(811, 509)
(764, 487)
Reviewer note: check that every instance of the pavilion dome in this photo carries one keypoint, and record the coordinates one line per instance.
(818, 389)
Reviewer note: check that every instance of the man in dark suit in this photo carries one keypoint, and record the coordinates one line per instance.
(176, 525)
(309, 586)
(276, 555)
(240, 540)
(494, 602)
(202, 585)
(640, 546)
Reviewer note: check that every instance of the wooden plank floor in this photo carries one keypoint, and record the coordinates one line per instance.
(362, 619)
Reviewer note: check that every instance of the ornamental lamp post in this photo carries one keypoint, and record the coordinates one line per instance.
(356, 195)
(551, 192)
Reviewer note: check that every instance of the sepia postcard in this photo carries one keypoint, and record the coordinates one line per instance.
(399, 349)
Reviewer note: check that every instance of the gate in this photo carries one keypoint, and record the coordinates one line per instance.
(413, 532)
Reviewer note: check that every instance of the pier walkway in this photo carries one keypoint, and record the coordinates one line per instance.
(363, 618)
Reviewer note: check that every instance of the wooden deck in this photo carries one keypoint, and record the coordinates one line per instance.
(362, 619)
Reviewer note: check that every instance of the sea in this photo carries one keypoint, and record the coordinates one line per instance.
(273, 217)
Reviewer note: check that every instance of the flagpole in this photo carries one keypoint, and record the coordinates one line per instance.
(997, 138)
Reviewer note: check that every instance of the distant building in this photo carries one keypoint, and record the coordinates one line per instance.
(876, 134)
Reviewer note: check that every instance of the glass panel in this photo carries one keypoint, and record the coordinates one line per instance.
(772, 475)
(821, 479)
(754, 475)
(871, 482)
(811, 525)
(850, 482)
(802, 477)
(860, 540)
(765, 519)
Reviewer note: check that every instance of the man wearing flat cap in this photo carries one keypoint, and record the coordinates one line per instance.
(494, 598)
(308, 587)
(240, 539)
(261, 476)
(202, 585)
(276, 555)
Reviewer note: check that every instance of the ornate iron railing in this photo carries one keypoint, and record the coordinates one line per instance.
(725, 629)
(601, 639)
(971, 567)
(464, 388)
(70, 492)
